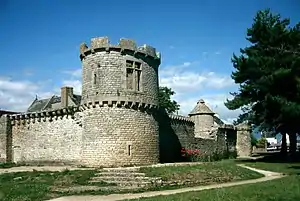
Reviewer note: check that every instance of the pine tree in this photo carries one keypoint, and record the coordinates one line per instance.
(268, 75)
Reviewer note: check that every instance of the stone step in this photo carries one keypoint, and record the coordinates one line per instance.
(132, 169)
(127, 183)
(126, 178)
(80, 189)
(121, 174)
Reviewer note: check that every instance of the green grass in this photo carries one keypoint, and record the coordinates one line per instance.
(285, 189)
(37, 186)
(29, 186)
(286, 168)
(34, 186)
(204, 174)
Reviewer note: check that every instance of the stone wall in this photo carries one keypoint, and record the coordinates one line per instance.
(206, 146)
(5, 132)
(115, 136)
(54, 139)
(218, 144)
(184, 129)
(175, 132)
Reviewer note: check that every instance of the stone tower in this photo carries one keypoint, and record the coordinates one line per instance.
(119, 103)
(203, 118)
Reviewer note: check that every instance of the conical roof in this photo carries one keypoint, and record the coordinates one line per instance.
(201, 108)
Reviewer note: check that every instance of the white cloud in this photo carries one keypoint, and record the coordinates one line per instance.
(76, 84)
(190, 85)
(18, 95)
(183, 79)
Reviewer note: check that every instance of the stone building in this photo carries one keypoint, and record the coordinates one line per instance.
(116, 120)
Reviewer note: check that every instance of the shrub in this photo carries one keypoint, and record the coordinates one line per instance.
(261, 143)
(195, 155)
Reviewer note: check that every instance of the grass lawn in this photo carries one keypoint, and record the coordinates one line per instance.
(285, 189)
(204, 174)
(36, 186)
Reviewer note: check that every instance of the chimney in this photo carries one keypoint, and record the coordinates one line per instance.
(66, 92)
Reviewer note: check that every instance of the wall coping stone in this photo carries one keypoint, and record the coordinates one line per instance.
(181, 118)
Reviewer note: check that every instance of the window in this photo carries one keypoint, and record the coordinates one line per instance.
(129, 150)
(95, 78)
(133, 75)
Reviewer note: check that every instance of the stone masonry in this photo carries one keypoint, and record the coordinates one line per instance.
(116, 121)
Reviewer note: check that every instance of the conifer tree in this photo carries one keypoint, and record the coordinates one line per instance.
(268, 73)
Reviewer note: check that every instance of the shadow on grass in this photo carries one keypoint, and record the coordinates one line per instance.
(295, 168)
(274, 158)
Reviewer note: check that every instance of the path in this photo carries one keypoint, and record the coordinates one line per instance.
(114, 197)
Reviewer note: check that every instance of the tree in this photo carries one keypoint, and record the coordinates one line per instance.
(164, 98)
(253, 140)
(268, 74)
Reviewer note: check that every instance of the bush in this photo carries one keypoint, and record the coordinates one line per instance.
(195, 155)
(261, 143)
(7, 165)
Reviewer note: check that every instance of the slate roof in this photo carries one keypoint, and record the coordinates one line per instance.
(2, 112)
(201, 108)
(43, 104)
(38, 105)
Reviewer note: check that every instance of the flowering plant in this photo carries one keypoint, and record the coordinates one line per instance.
(189, 152)
(192, 154)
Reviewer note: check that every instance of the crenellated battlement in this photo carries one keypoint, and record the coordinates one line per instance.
(103, 44)
(181, 118)
(115, 103)
(32, 117)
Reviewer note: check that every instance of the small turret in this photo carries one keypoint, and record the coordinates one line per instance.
(203, 118)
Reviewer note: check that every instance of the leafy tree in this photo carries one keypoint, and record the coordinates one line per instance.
(261, 143)
(164, 98)
(268, 74)
(253, 140)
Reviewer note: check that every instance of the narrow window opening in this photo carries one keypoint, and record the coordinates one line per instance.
(129, 150)
(129, 78)
(95, 78)
(138, 75)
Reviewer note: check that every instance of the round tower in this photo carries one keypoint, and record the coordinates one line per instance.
(203, 119)
(119, 102)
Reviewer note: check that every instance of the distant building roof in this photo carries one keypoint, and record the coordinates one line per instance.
(46, 104)
(201, 108)
(2, 112)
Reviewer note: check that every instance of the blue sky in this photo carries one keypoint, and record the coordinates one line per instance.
(40, 43)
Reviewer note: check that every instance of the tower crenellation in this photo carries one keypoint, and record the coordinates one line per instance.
(103, 44)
